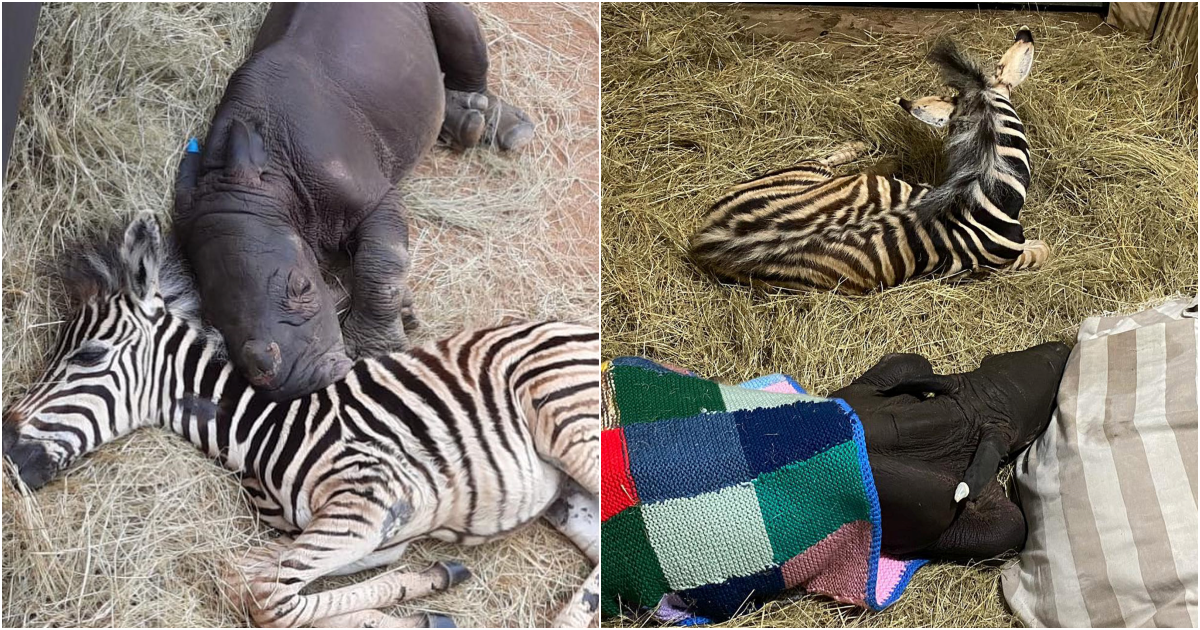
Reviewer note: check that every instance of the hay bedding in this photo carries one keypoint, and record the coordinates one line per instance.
(693, 101)
(134, 535)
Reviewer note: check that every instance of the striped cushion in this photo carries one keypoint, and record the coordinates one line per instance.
(1109, 490)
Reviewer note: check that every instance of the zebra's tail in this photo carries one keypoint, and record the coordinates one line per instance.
(942, 200)
(959, 70)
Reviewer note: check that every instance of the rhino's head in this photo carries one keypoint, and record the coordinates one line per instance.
(259, 280)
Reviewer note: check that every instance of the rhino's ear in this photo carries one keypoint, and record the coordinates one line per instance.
(186, 178)
(245, 154)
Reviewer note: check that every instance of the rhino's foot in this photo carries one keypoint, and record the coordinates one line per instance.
(409, 320)
(984, 531)
(408, 312)
(1024, 384)
(366, 338)
(508, 128)
(465, 121)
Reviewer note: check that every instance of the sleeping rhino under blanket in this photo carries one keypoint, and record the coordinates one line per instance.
(335, 105)
(715, 496)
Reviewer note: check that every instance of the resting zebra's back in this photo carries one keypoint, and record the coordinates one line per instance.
(804, 228)
(476, 427)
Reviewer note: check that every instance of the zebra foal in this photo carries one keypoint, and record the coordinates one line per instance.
(806, 227)
(463, 440)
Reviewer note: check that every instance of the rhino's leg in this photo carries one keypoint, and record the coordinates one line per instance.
(462, 51)
(464, 123)
(508, 128)
(921, 518)
(381, 304)
(893, 369)
(473, 113)
(462, 55)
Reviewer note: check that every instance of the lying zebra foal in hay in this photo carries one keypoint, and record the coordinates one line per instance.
(463, 440)
(804, 227)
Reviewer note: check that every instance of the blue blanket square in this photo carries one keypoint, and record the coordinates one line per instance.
(684, 457)
(777, 436)
(735, 595)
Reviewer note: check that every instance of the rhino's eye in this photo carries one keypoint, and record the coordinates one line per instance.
(302, 297)
(299, 287)
(88, 356)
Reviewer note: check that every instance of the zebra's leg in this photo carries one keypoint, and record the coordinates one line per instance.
(574, 514)
(381, 557)
(566, 433)
(269, 579)
(584, 605)
(270, 584)
(564, 419)
(1034, 254)
(843, 154)
(378, 619)
(268, 510)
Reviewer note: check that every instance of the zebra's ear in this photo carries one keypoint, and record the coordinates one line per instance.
(141, 255)
(931, 110)
(1016, 63)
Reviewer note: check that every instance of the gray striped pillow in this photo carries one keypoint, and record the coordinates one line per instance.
(1109, 490)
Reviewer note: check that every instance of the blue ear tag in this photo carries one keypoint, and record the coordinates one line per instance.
(193, 146)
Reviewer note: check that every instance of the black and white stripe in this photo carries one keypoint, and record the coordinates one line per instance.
(805, 227)
(457, 413)
(462, 440)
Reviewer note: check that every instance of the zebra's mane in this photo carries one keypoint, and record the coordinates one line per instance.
(96, 270)
(971, 143)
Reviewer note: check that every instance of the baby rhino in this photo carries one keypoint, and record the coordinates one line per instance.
(336, 103)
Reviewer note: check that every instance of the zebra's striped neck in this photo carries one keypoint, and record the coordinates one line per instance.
(1010, 171)
(203, 397)
(987, 164)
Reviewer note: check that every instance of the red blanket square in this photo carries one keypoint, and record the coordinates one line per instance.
(617, 491)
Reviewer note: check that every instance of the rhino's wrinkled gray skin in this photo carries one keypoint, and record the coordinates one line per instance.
(336, 103)
(926, 434)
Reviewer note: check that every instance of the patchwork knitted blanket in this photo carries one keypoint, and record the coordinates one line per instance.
(715, 497)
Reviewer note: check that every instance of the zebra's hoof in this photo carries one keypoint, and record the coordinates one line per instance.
(456, 573)
(434, 620)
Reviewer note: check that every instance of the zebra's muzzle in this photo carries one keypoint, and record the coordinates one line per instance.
(33, 463)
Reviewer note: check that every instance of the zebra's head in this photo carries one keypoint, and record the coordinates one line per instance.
(99, 384)
(963, 74)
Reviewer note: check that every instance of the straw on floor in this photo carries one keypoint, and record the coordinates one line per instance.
(694, 101)
(135, 534)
